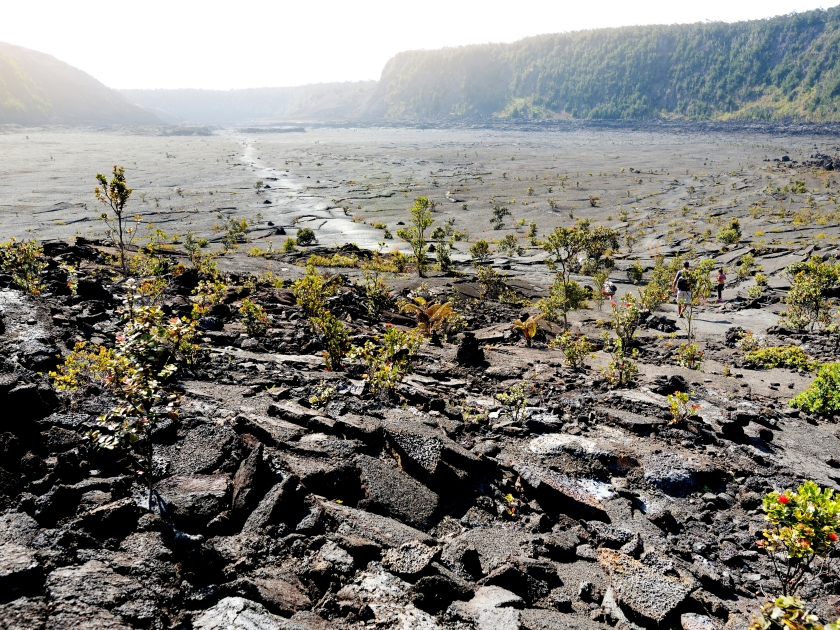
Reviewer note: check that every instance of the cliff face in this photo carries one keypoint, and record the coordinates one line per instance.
(787, 66)
(36, 88)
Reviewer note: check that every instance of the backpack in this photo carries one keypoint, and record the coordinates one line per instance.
(682, 281)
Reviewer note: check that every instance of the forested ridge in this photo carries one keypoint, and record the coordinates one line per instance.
(781, 67)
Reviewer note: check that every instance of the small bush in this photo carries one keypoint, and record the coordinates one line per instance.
(336, 260)
(336, 339)
(563, 298)
(621, 370)
(780, 356)
(254, 317)
(514, 400)
(388, 363)
(233, 232)
(575, 350)
(690, 356)
(491, 283)
(681, 407)
(728, 236)
(746, 267)
(749, 341)
(823, 394)
(312, 290)
(625, 320)
(289, 244)
(206, 295)
(305, 236)
(803, 527)
(807, 306)
(480, 252)
(636, 272)
(24, 261)
(377, 294)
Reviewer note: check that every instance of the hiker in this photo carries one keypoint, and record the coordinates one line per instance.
(682, 287)
(721, 281)
(608, 289)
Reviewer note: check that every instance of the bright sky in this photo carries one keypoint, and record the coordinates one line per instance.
(221, 44)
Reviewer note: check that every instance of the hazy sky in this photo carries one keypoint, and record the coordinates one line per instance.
(257, 43)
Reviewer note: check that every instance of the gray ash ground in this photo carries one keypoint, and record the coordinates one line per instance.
(432, 509)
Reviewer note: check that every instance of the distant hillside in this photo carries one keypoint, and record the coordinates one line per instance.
(787, 66)
(782, 67)
(322, 101)
(36, 88)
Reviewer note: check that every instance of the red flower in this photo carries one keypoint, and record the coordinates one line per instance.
(613, 303)
(832, 537)
(784, 499)
(388, 325)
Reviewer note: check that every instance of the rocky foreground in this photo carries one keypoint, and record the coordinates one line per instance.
(434, 509)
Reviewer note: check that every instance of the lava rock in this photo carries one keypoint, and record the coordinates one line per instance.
(192, 501)
(390, 490)
(409, 558)
(644, 593)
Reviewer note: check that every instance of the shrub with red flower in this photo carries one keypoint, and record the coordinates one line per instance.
(803, 530)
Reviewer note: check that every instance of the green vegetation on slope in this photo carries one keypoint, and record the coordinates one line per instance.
(785, 66)
(36, 88)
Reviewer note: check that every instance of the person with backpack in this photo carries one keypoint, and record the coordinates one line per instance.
(608, 289)
(682, 287)
(721, 280)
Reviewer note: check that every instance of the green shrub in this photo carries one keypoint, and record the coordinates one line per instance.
(621, 370)
(514, 400)
(681, 407)
(780, 356)
(254, 317)
(732, 234)
(388, 363)
(807, 306)
(377, 294)
(823, 394)
(336, 260)
(134, 372)
(575, 349)
(625, 320)
(480, 252)
(24, 261)
(491, 282)
(233, 232)
(415, 233)
(305, 236)
(690, 356)
(562, 298)
(803, 530)
(336, 339)
(312, 290)
(636, 272)
(289, 244)
(748, 341)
